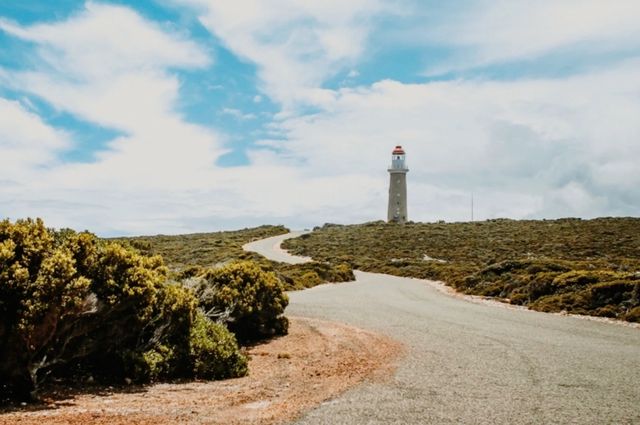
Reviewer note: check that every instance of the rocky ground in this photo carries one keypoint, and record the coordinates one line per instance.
(288, 376)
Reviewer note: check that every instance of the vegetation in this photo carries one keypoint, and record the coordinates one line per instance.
(190, 255)
(75, 307)
(214, 351)
(202, 249)
(249, 300)
(307, 275)
(579, 266)
(71, 304)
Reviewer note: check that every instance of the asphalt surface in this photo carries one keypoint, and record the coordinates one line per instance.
(473, 363)
(270, 248)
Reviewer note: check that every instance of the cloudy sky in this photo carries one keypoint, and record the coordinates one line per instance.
(173, 116)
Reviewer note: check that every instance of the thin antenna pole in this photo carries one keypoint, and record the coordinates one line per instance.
(471, 206)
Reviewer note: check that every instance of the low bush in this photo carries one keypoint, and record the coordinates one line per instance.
(214, 351)
(307, 275)
(249, 300)
(572, 302)
(70, 303)
(633, 315)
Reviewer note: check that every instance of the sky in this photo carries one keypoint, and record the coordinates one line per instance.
(178, 116)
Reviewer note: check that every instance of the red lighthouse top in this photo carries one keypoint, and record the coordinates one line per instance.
(398, 150)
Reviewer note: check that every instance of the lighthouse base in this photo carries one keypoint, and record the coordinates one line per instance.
(397, 210)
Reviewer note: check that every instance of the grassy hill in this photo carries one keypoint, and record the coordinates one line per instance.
(579, 266)
(203, 249)
(188, 254)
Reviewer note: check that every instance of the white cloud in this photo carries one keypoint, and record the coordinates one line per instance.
(117, 76)
(532, 148)
(495, 31)
(109, 66)
(538, 148)
(25, 140)
(103, 40)
(296, 44)
(128, 102)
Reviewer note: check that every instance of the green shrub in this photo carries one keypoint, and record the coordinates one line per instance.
(162, 347)
(606, 311)
(541, 284)
(310, 279)
(42, 296)
(345, 272)
(307, 275)
(214, 351)
(633, 315)
(151, 365)
(519, 296)
(635, 295)
(249, 300)
(614, 292)
(193, 347)
(71, 304)
(573, 302)
(581, 278)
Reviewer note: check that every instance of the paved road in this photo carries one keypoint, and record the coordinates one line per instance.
(270, 248)
(476, 364)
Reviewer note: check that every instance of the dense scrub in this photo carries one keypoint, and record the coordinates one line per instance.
(73, 305)
(579, 266)
(247, 299)
(188, 255)
(307, 275)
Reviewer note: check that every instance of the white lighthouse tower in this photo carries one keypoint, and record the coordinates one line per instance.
(397, 212)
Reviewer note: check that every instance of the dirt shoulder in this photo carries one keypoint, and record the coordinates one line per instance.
(289, 375)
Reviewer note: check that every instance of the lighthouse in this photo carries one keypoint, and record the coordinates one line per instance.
(397, 211)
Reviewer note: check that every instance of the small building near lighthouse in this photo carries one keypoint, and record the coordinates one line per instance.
(397, 211)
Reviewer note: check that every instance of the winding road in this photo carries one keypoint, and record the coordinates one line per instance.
(473, 363)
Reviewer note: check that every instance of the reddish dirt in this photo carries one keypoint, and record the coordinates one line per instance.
(289, 375)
